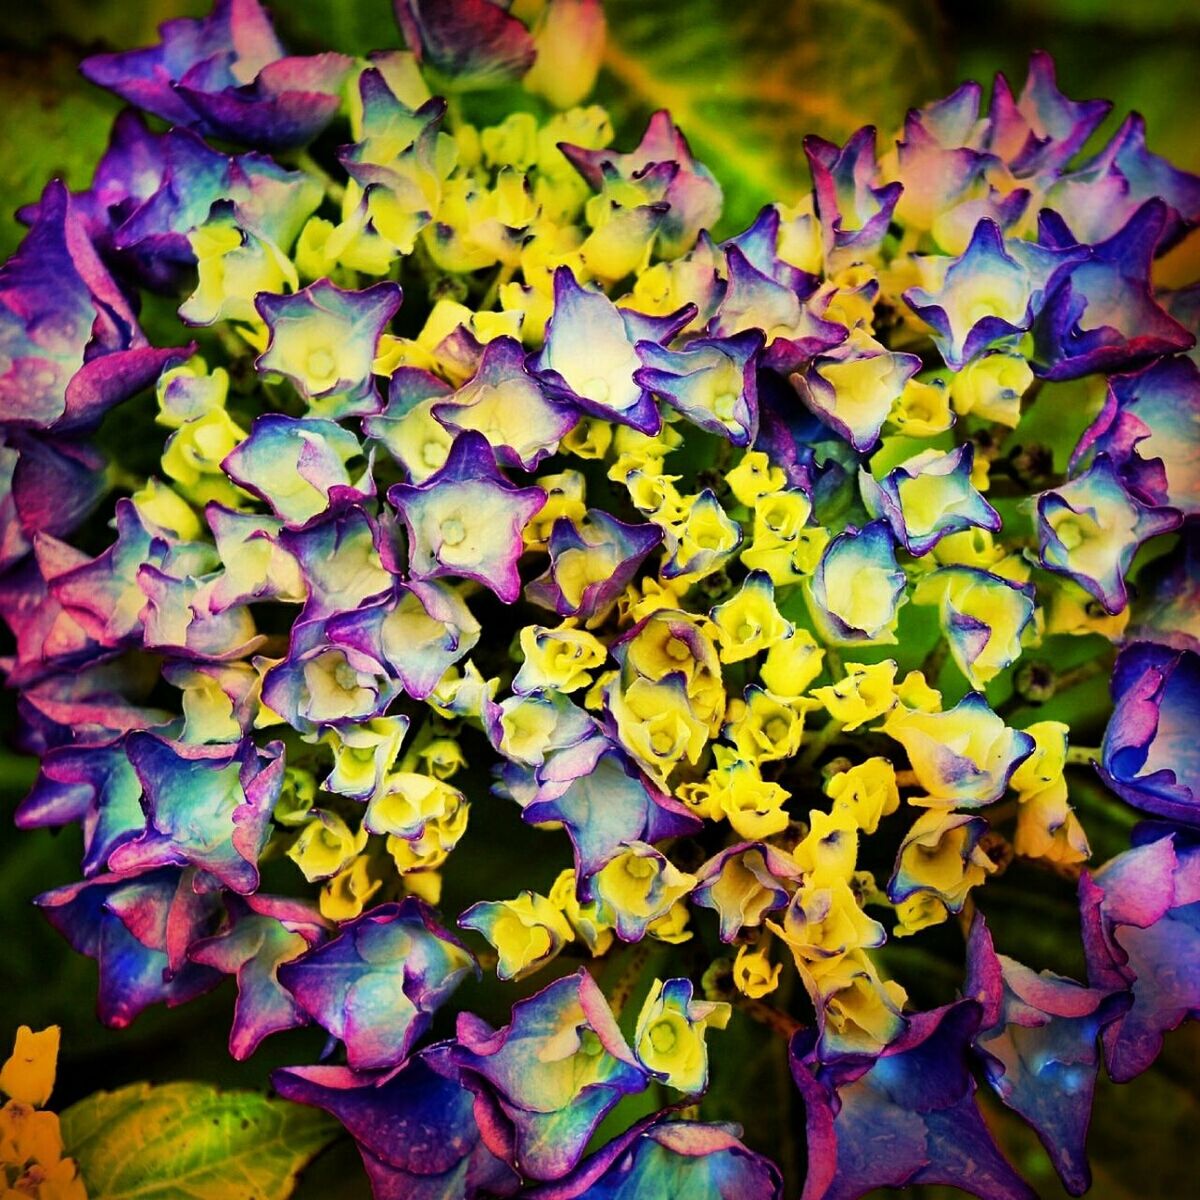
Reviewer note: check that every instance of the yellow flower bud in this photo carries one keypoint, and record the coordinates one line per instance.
(863, 694)
(867, 791)
(28, 1074)
(792, 664)
(325, 846)
(526, 932)
(753, 974)
(754, 477)
(346, 895)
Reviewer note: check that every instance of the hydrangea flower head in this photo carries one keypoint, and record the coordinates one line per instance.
(620, 515)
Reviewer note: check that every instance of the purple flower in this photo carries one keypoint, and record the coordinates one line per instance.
(340, 563)
(906, 1117)
(742, 883)
(1039, 131)
(325, 339)
(263, 933)
(299, 467)
(849, 609)
(70, 345)
(207, 806)
(377, 984)
(467, 44)
(466, 520)
(663, 1157)
(415, 1127)
(138, 929)
(1038, 1043)
(129, 172)
(944, 169)
(103, 593)
(590, 357)
(1147, 427)
(758, 246)
(852, 386)
(226, 76)
(994, 289)
(509, 407)
(604, 802)
(544, 1082)
(1101, 315)
(149, 240)
(45, 488)
(854, 213)
(178, 621)
(94, 785)
(1091, 527)
(1140, 935)
(320, 685)
(753, 299)
(1150, 755)
(417, 634)
(693, 195)
(47, 637)
(928, 497)
(591, 563)
(1097, 198)
(711, 381)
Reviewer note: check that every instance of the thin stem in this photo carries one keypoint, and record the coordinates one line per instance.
(1068, 871)
(629, 977)
(503, 274)
(1082, 755)
(334, 190)
(966, 915)
(931, 668)
(1079, 674)
(820, 741)
(833, 660)
(775, 1020)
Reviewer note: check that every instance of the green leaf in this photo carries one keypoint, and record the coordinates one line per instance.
(747, 81)
(189, 1141)
(351, 26)
(58, 127)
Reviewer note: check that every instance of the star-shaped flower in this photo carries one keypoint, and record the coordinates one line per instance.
(466, 520)
(994, 289)
(377, 984)
(325, 340)
(264, 932)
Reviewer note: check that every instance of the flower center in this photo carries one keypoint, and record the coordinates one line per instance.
(320, 365)
(663, 1037)
(452, 531)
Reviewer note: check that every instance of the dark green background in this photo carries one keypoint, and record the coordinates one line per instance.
(747, 81)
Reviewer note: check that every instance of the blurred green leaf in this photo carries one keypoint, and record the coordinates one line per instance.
(56, 125)
(109, 24)
(351, 26)
(1146, 15)
(747, 81)
(191, 1140)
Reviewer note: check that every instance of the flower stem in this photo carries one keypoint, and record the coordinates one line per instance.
(1082, 755)
(504, 273)
(624, 986)
(820, 741)
(334, 190)
(778, 1022)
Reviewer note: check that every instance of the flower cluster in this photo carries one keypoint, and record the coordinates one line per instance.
(481, 449)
